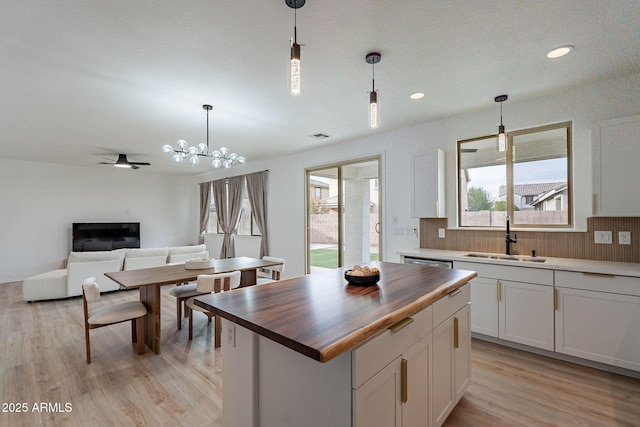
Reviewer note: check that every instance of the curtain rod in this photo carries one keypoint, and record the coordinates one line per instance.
(227, 178)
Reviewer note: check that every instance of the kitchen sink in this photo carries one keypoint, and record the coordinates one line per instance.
(507, 257)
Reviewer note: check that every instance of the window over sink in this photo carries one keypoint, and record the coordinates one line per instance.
(530, 181)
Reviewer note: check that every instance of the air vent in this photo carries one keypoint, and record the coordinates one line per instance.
(320, 136)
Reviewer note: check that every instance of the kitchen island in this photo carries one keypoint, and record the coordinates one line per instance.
(316, 351)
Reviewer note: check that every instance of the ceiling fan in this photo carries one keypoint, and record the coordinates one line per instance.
(122, 162)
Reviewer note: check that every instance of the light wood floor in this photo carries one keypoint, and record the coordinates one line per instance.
(42, 359)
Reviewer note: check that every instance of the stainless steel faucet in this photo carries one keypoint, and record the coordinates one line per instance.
(508, 240)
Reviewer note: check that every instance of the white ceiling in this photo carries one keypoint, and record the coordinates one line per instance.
(82, 81)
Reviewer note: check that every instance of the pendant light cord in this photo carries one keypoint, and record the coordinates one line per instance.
(295, 22)
(207, 131)
(373, 77)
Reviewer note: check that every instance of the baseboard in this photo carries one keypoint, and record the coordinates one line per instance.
(559, 356)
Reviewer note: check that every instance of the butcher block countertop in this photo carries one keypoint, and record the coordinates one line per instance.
(322, 316)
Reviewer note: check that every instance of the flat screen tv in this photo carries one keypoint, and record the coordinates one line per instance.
(105, 236)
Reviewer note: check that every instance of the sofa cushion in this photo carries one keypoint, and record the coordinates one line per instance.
(183, 253)
(135, 259)
(77, 272)
(92, 256)
(49, 285)
(146, 252)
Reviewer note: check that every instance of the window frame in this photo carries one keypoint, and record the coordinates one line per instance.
(509, 163)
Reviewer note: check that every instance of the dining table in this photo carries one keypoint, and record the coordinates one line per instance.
(150, 280)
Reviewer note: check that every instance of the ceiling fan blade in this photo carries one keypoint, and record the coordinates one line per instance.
(133, 166)
(140, 163)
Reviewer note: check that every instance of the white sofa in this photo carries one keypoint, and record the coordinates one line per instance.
(80, 265)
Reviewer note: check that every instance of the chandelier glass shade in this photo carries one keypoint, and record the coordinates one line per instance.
(222, 157)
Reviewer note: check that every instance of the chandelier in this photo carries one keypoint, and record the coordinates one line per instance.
(221, 157)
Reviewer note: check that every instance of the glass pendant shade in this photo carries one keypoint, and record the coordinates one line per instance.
(295, 69)
(373, 110)
(502, 139)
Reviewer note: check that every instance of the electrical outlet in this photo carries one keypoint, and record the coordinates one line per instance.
(415, 232)
(624, 237)
(602, 237)
(231, 334)
(441, 233)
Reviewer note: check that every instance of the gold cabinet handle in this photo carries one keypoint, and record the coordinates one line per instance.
(404, 377)
(555, 298)
(455, 332)
(401, 324)
(598, 274)
(454, 292)
(498, 290)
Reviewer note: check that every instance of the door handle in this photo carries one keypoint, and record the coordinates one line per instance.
(377, 227)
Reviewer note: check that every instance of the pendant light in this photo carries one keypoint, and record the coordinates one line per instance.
(295, 66)
(373, 58)
(502, 136)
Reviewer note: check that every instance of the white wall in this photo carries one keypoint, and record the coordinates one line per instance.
(40, 201)
(586, 106)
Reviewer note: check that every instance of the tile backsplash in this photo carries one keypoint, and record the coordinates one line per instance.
(562, 244)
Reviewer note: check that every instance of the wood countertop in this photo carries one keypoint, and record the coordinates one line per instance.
(322, 316)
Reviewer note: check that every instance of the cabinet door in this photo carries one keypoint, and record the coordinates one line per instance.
(443, 399)
(599, 326)
(615, 166)
(415, 405)
(462, 351)
(428, 184)
(484, 300)
(526, 314)
(377, 402)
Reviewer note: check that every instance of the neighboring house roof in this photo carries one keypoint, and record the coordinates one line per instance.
(532, 189)
(316, 183)
(549, 194)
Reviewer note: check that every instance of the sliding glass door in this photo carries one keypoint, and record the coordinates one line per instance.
(343, 214)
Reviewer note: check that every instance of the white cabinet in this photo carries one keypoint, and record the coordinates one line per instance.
(451, 356)
(392, 375)
(398, 395)
(428, 178)
(598, 318)
(421, 385)
(615, 166)
(512, 303)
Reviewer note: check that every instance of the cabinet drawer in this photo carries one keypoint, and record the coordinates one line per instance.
(450, 303)
(539, 276)
(598, 282)
(373, 355)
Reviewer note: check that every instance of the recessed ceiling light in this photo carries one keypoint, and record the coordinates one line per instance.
(559, 51)
(416, 95)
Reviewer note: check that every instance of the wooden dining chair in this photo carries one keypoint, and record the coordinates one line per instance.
(271, 273)
(182, 293)
(111, 314)
(212, 283)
